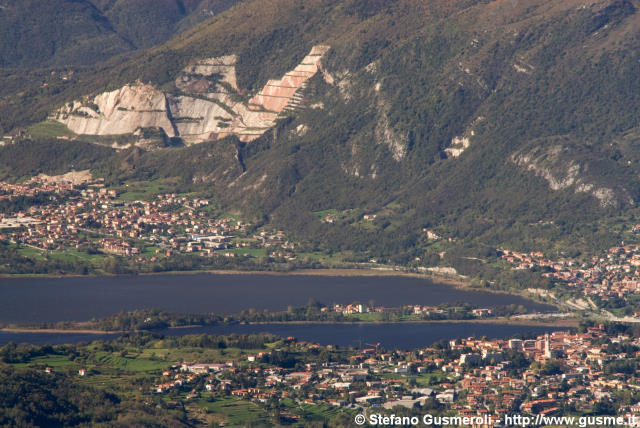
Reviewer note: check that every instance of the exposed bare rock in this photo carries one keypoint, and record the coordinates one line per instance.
(384, 134)
(328, 78)
(73, 177)
(224, 66)
(196, 119)
(118, 112)
(280, 94)
(461, 143)
(539, 162)
(561, 172)
(458, 145)
(345, 89)
(208, 107)
(521, 66)
(301, 130)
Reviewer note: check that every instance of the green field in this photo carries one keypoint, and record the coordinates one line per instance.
(335, 258)
(131, 368)
(49, 129)
(68, 255)
(72, 254)
(320, 412)
(54, 361)
(131, 364)
(332, 212)
(145, 190)
(234, 412)
(31, 253)
(346, 215)
(252, 252)
(423, 379)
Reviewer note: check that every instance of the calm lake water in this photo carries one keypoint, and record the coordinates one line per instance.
(35, 300)
(403, 336)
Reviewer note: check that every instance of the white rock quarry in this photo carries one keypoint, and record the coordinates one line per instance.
(277, 95)
(207, 107)
(119, 112)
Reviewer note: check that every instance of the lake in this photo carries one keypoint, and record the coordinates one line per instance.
(390, 336)
(36, 300)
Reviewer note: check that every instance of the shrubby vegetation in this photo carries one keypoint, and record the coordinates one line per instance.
(34, 398)
(12, 262)
(159, 319)
(31, 397)
(50, 156)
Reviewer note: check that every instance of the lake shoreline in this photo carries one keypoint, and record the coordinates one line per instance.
(338, 272)
(458, 283)
(568, 322)
(58, 331)
(51, 302)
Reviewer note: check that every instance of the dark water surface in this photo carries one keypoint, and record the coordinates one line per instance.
(403, 336)
(35, 300)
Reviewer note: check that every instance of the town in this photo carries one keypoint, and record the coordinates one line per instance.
(609, 277)
(558, 373)
(86, 215)
(270, 380)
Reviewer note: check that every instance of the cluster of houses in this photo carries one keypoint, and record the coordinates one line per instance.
(22, 226)
(351, 384)
(9, 190)
(12, 138)
(352, 308)
(359, 308)
(172, 223)
(119, 248)
(578, 380)
(613, 275)
(547, 375)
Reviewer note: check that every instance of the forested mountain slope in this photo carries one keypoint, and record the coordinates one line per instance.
(492, 122)
(34, 33)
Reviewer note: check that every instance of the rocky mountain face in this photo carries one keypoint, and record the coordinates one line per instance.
(206, 104)
(558, 165)
(479, 120)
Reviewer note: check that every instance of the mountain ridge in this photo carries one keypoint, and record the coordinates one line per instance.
(82, 32)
